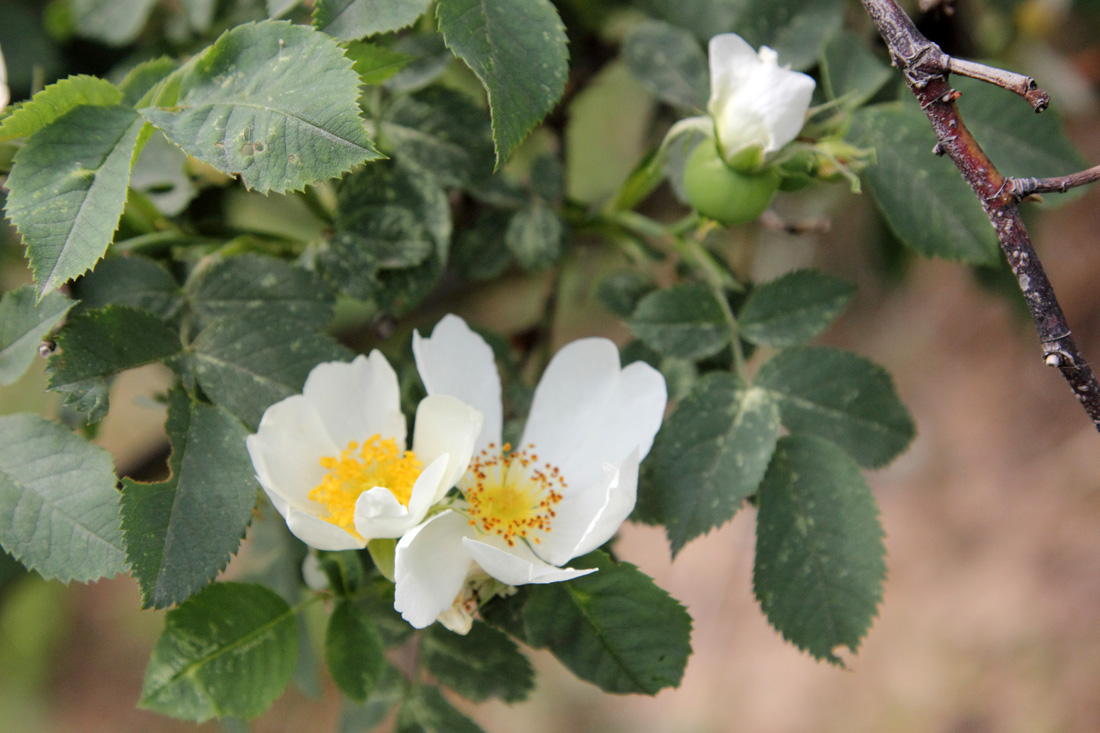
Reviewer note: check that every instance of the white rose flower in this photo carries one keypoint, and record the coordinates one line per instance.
(528, 511)
(333, 459)
(757, 106)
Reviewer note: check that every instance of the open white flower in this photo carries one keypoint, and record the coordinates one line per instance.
(333, 459)
(527, 511)
(5, 93)
(757, 106)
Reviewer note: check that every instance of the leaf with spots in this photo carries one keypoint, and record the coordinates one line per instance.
(481, 664)
(272, 102)
(181, 532)
(58, 502)
(709, 457)
(519, 51)
(819, 565)
(68, 188)
(248, 284)
(683, 320)
(794, 308)
(247, 363)
(840, 396)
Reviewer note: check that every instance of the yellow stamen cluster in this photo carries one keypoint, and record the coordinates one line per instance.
(510, 494)
(379, 462)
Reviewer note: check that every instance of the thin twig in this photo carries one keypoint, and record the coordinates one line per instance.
(1022, 187)
(1023, 85)
(926, 68)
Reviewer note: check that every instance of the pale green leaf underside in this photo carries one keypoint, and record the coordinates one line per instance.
(55, 100)
(351, 19)
(22, 326)
(518, 49)
(68, 188)
(229, 651)
(819, 564)
(58, 503)
(181, 532)
(115, 22)
(271, 102)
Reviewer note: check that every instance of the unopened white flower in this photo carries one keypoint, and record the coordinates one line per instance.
(5, 93)
(528, 511)
(333, 459)
(757, 106)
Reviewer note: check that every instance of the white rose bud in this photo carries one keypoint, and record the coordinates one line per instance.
(757, 106)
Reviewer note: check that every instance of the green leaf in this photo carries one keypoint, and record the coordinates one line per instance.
(480, 252)
(144, 77)
(137, 282)
(229, 651)
(683, 320)
(842, 397)
(704, 18)
(56, 100)
(247, 364)
(181, 532)
(251, 284)
(387, 692)
(614, 628)
(797, 29)
(850, 71)
(23, 325)
(271, 102)
(819, 563)
(620, 291)
(350, 19)
(924, 199)
(114, 22)
(425, 710)
(58, 503)
(535, 236)
(68, 188)
(1018, 141)
(97, 344)
(354, 651)
(481, 664)
(440, 132)
(794, 308)
(669, 61)
(518, 49)
(375, 64)
(710, 456)
(393, 235)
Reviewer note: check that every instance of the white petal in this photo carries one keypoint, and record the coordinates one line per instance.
(731, 60)
(587, 519)
(379, 514)
(5, 94)
(430, 568)
(318, 533)
(456, 361)
(357, 399)
(517, 565)
(446, 426)
(287, 448)
(587, 411)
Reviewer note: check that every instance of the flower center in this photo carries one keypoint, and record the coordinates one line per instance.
(510, 494)
(379, 462)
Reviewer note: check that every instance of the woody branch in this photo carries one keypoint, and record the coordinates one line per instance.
(926, 69)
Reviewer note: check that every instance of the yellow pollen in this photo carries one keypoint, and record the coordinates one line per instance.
(510, 494)
(379, 462)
